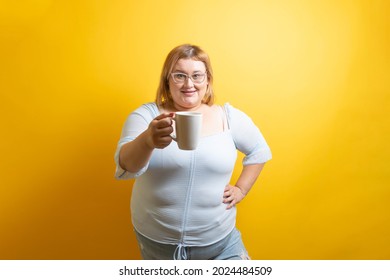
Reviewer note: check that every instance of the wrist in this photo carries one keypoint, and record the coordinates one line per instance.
(148, 140)
(242, 190)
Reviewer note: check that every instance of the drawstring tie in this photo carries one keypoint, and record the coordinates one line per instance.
(180, 252)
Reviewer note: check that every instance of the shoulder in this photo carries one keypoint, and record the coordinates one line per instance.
(238, 120)
(147, 110)
(150, 108)
(144, 114)
(233, 113)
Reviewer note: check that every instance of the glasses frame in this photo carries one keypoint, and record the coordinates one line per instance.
(189, 77)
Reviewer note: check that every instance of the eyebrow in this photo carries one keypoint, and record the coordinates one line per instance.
(181, 71)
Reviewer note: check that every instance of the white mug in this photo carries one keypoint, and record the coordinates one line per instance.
(188, 128)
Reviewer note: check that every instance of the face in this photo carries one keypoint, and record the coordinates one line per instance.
(188, 95)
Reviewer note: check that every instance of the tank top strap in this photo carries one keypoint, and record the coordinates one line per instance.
(225, 120)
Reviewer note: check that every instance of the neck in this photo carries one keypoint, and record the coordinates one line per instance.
(175, 108)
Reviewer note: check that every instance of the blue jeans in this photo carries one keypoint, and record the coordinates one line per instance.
(229, 248)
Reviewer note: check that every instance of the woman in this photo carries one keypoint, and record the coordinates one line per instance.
(183, 205)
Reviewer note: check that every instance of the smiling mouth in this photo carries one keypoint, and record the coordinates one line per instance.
(189, 93)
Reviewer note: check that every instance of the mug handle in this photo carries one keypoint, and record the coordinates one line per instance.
(173, 134)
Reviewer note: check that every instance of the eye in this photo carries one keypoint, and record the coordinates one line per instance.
(180, 76)
(198, 77)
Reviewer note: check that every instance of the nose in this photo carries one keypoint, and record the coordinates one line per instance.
(188, 83)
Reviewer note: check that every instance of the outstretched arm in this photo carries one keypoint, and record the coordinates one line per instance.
(135, 155)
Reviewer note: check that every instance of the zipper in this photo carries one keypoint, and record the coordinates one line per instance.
(180, 251)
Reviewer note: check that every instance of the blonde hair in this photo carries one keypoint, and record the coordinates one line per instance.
(186, 51)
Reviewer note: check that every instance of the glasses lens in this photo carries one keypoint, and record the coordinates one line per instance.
(198, 78)
(179, 77)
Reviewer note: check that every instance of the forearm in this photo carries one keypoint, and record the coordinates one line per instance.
(135, 154)
(248, 177)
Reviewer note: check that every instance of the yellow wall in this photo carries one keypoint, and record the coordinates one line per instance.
(313, 74)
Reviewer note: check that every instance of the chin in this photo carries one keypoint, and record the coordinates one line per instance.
(190, 102)
(189, 105)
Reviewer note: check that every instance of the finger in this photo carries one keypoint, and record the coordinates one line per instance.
(164, 131)
(165, 139)
(166, 122)
(228, 199)
(227, 188)
(163, 116)
(230, 205)
(163, 142)
(230, 191)
(227, 191)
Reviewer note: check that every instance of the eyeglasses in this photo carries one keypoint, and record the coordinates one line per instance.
(180, 78)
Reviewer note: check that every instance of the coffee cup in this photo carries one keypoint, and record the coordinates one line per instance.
(188, 128)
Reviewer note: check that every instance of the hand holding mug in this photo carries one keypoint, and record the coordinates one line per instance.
(160, 130)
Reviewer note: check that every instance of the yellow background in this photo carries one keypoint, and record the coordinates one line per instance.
(314, 75)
